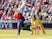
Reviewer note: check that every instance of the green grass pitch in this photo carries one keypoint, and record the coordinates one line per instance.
(12, 34)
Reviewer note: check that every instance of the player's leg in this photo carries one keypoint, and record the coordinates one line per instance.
(31, 27)
(19, 28)
(37, 30)
(41, 25)
(20, 24)
(42, 28)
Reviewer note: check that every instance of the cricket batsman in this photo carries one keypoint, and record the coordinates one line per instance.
(35, 24)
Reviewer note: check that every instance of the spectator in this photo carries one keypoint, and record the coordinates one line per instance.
(25, 6)
(1, 14)
(6, 5)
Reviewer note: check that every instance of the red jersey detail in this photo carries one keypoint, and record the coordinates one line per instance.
(18, 16)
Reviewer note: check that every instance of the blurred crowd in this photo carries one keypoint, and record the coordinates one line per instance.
(40, 8)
